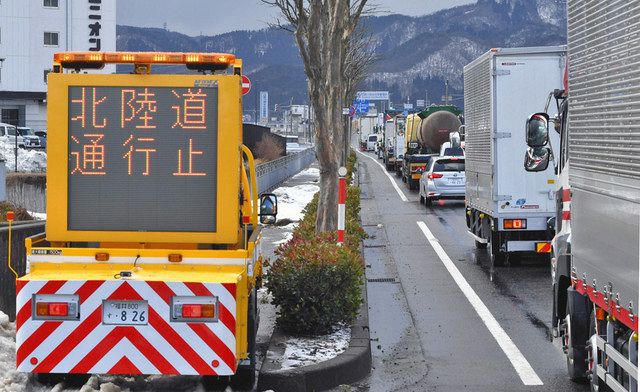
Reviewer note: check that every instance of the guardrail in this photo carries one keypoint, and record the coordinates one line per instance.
(270, 175)
(274, 173)
(18, 260)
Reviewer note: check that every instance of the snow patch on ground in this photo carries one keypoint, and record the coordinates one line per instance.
(312, 171)
(293, 199)
(308, 351)
(29, 161)
(10, 379)
(38, 215)
(287, 236)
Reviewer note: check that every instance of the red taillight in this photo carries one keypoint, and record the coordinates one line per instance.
(198, 311)
(52, 309)
(515, 223)
(58, 309)
(192, 311)
(434, 175)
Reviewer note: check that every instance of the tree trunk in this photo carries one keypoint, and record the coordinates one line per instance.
(322, 29)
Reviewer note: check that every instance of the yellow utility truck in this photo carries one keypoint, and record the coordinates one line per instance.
(151, 255)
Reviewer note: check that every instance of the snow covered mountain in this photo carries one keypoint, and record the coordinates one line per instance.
(415, 54)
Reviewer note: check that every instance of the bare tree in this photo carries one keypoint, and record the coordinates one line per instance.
(323, 31)
(360, 57)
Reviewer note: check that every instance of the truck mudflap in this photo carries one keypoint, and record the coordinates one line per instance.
(160, 345)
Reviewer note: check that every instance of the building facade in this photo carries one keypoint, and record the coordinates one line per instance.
(31, 31)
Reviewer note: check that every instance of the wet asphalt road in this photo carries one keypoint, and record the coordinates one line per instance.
(426, 336)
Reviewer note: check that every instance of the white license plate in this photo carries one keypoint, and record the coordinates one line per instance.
(456, 182)
(125, 312)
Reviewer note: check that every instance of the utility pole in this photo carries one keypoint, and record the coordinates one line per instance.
(446, 92)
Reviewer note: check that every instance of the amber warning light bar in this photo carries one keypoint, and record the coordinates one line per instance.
(97, 60)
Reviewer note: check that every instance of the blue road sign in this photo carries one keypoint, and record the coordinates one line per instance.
(361, 105)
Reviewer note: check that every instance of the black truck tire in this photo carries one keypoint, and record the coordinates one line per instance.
(576, 335)
(245, 376)
(69, 380)
(497, 257)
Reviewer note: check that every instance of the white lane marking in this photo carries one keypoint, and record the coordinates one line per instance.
(518, 361)
(384, 170)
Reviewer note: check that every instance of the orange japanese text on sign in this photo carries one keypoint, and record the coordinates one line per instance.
(90, 160)
(192, 111)
(146, 151)
(137, 107)
(95, 102)
(192, 152)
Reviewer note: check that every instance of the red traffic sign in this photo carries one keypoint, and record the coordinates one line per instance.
(246, 85)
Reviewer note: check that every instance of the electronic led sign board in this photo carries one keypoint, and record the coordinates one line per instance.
(142, 159)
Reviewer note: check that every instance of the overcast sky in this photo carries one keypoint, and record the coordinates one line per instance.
(210, 17)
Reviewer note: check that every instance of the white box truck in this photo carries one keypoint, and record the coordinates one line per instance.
(367, 127)
(508, 209)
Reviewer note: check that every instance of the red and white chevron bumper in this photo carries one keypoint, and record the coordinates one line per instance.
(162, 346)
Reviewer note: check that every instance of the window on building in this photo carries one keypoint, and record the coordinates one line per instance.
(51, 3)
(50, 38)
(46, 73)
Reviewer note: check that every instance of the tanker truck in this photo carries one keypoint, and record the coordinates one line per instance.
(437, 123)
(151, 256)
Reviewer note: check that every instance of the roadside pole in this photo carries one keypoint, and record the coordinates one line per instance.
(342, 199)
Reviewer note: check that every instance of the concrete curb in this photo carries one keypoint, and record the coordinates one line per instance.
(348, 367)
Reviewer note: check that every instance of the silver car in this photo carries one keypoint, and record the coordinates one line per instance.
(444, 179)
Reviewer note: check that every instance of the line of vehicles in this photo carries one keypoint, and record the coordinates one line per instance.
(573, 111)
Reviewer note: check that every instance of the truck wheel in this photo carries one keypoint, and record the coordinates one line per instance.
(497, 257)
(575, 337)
(428, 202)
(215, 383)
(69, 380)
(595, 383)
(421, 199)
(412, 184)
(245, 375)
(481, 245)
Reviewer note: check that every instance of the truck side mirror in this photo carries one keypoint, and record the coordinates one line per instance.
(268, 208)
(538, 130)
(536, 159)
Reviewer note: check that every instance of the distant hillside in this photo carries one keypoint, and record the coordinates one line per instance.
(416, 54)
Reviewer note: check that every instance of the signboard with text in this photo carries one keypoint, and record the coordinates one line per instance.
(148, 159)
(373, 95)
(133, 154)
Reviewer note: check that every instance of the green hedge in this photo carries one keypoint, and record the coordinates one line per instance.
(315, 283)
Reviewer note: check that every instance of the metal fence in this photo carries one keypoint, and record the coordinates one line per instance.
(274, 173)
(270, 175)
(18, 260)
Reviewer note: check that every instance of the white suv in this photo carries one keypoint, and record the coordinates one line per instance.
(8, 135)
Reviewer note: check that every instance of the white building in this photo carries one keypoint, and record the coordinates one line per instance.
(31, 31)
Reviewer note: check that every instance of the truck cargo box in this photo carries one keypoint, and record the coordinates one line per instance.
(502, 88)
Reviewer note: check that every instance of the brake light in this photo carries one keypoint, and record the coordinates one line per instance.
(56, 307)
(431, 176)
(194, 309)
(198, 311)
(515, 224)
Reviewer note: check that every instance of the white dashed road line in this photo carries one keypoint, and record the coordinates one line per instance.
(518, 361)
(384, 170)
